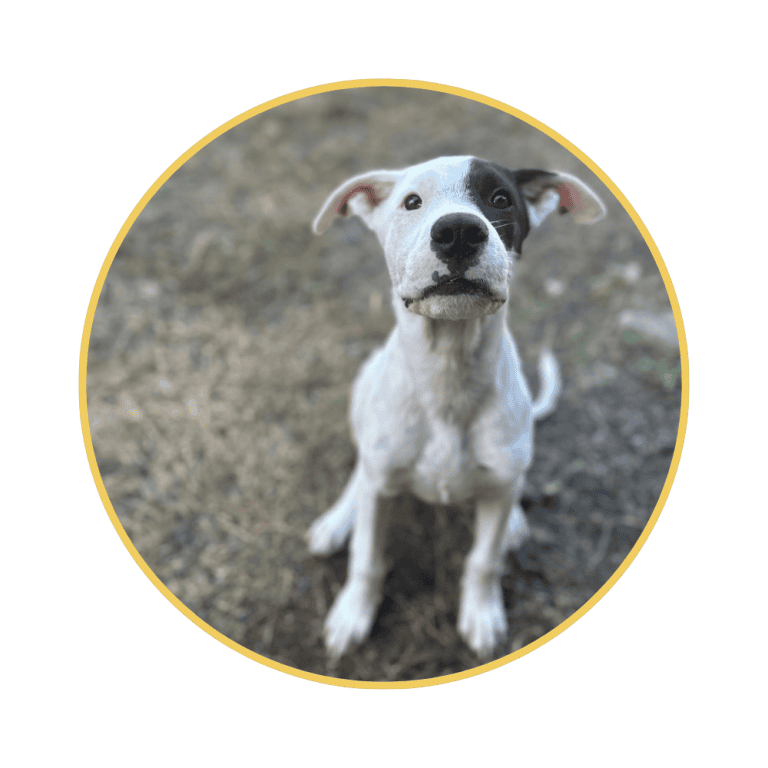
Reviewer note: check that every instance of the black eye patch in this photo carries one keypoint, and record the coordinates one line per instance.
(492, 188)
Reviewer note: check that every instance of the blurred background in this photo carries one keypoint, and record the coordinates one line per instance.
(226, 339)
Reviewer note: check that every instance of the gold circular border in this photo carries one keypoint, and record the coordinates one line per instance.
(374, 83)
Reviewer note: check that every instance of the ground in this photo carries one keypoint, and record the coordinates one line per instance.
(223, 349)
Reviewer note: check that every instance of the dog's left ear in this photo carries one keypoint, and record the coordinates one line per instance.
(546, 191)
(360, 195)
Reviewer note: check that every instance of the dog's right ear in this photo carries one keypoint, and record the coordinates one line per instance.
(360, 195)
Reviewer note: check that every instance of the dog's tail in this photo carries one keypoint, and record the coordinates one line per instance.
(549, 376)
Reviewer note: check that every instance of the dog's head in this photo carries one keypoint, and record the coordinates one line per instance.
(452, 228)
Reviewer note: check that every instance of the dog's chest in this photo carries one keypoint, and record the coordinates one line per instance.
(454, 387)
(447, 470)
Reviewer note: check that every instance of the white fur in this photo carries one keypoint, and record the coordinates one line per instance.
(442, 410)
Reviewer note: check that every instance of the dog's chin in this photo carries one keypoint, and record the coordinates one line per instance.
(464, 306)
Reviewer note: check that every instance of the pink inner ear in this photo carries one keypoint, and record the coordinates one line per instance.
(373, 198)
(569, 199)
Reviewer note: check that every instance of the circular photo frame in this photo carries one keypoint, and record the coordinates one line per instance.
(463, 518)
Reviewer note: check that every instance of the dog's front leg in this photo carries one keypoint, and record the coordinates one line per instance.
(482, 620)
(351, 616)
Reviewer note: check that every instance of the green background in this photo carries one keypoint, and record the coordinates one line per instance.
(101, 670)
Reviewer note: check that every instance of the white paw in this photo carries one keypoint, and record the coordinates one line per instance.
(329, 532)
(518, 531)
(351, 617)
(482, 620)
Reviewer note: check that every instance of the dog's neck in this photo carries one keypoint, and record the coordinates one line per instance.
(453, 362)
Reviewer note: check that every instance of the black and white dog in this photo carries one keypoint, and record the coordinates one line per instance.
(443, 410)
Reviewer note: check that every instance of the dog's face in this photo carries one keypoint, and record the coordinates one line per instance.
(452, 228)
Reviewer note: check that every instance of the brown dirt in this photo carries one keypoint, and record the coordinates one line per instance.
(222, 353)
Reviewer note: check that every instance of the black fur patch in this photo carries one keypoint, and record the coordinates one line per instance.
(485, 178)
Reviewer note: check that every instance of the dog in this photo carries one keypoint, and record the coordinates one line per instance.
(442, 410)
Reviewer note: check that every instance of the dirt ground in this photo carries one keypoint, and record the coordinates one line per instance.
(223, 349)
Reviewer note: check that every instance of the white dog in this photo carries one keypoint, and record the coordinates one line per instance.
(442, 410)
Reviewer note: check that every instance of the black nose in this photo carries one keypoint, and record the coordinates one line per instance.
(457, 237)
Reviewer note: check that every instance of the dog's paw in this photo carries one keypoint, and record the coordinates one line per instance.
(482, 620)
(330, 531)
(518, 531)
(351, 617)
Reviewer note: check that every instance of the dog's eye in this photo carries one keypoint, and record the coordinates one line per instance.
(501, 199)
(412, 202)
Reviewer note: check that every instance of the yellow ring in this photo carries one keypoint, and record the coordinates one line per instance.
(375, 83)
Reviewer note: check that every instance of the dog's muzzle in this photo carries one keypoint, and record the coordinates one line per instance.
(458, 240)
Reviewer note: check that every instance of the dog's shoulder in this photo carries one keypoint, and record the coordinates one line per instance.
(384, 409)
(502, 433)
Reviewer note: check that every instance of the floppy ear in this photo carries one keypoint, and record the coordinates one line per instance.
(545, 191)
(360, 195)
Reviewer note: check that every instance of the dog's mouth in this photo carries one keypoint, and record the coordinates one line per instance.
(472, 295)
(455, 286)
